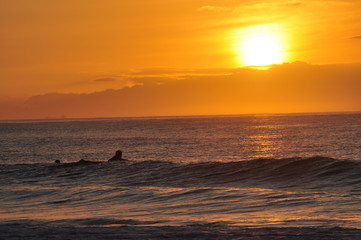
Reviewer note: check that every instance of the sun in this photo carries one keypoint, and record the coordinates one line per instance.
(261, 45)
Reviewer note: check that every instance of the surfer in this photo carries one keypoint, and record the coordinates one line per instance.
(85, 162)
(78, 163)
(117, 156)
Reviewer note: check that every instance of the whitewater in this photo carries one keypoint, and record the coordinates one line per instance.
(295, 176)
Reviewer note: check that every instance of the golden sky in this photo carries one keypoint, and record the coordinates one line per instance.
(93, 58)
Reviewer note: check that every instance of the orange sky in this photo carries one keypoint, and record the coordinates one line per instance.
(92, 58)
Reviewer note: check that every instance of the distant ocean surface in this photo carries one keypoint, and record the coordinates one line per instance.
(294, 176)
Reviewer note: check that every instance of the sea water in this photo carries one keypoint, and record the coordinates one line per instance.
(292, 176)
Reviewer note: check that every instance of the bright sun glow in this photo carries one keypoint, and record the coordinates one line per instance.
(261, 45)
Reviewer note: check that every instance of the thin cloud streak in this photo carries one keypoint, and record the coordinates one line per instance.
(108, 79)
(214, 8)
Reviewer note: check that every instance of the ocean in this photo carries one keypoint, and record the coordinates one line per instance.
(295, 176)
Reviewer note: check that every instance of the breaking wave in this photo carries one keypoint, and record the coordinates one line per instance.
(313, 172)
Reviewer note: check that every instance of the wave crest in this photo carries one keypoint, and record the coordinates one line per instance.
(312, 172)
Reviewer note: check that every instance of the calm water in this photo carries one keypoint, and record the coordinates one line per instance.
(247, 177)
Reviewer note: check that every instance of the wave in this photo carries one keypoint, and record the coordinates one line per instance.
(313, 172)
(126, 229)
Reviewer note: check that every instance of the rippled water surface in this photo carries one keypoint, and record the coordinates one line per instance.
(207, 177)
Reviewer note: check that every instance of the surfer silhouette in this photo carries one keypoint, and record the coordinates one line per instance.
(117, 156)
(84, 162)
(78, 163)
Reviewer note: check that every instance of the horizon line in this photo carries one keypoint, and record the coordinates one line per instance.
(181, 116)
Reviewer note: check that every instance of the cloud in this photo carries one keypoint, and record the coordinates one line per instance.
(177, 73)
(276, 5)
(214, 8)
(250, 13)
(356, 37)
(245, 7)
(252, 5)
(107, 79)
(293, 87)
